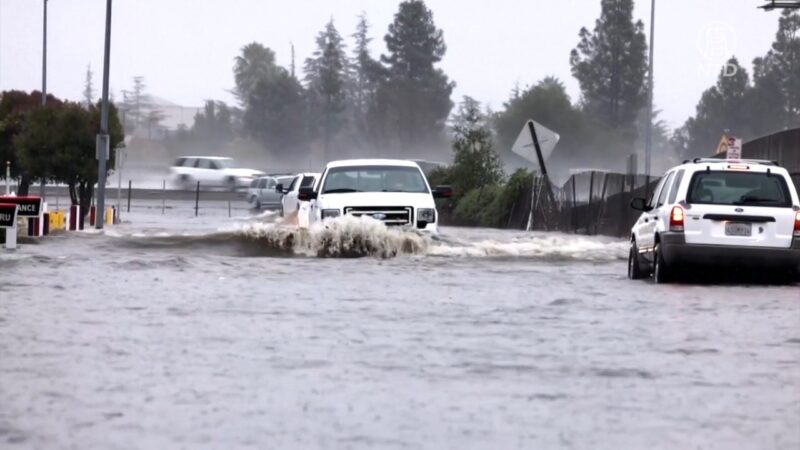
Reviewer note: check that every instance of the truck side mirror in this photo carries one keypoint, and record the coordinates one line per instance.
(639, 204)
(306, 193)
(442, 192)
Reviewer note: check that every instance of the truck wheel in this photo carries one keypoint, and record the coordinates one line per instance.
(255, 202)
(661, 270)
(635, 271)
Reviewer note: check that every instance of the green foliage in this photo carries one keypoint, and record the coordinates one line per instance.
(548, 103)
(413, 99)
(276, 113)
(256, 64)
(774, 101)
(58, 143)
(475, 164)
(214, 125)
(326, 79)
(491, 206)
(473, 208)
(364, 75)
(14, 107)
(721, 107)
(769, 104)
(610, 64)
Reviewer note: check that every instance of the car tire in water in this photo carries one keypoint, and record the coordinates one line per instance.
(635, 271)
(255, 202)
(661, 270)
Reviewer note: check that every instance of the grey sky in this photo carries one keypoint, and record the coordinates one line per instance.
(185, 48)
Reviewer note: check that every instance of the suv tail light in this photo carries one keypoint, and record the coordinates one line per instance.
(797, 224)
(676, 218)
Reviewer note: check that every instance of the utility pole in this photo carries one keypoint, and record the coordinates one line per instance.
(292, 45)
(103, 140)
(649, 133)
(44, 56)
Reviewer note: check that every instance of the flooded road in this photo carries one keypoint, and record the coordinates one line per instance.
(210, 332)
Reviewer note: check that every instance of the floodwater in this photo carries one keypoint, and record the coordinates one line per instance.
(214, 332)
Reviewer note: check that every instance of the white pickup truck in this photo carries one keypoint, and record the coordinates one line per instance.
(392, 191)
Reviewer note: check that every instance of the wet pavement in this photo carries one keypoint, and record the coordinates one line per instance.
(214, 332)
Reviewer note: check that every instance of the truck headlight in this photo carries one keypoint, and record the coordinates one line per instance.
(426, 215)
(330, 213)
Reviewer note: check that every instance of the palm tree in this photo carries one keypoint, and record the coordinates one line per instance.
(255, 64)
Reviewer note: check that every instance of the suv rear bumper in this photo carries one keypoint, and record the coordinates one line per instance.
(677, 251)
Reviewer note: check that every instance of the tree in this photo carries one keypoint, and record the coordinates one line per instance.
(548, 103)
(213, 126)
(58, 143)
(414, 98)
(365, 76)
(256, 64)
(722, 107)
(138, 105)
(610, 64)
(326, 78)
(275, 113)
(775, 97)
(14, 108)
(88, 90)
(475, 164)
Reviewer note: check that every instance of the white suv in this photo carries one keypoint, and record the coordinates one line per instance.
(393, 191)
(717, 212)
(211, 171)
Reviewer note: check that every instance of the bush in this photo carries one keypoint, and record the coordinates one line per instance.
(491, 206)
(499, 211)
(473, 208)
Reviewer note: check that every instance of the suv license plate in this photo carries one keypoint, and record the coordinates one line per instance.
(738, 229)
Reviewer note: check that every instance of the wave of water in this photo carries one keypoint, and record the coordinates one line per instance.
(350, 237)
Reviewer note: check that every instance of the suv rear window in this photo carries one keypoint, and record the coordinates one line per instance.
(739, 188)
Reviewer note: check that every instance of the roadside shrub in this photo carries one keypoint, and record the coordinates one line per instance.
(491, 206)
(499, 210)
(473, 208)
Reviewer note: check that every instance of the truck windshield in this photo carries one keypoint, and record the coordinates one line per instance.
(739, 188)
(374, 179)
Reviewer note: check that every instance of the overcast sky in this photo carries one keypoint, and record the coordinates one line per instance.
(185, 48)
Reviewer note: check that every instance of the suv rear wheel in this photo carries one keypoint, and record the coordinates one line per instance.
(635, 271)
(661, 271)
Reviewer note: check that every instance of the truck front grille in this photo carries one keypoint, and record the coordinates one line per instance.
(390, 215)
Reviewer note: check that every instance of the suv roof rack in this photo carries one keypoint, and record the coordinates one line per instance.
(762, 162)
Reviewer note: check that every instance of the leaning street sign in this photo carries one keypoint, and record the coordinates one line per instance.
(525, 146)
(8, 215)
(26, 206)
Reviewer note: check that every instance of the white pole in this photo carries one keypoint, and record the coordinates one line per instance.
(11, 237)
(120, 155)
(648, 150)
(8, 177)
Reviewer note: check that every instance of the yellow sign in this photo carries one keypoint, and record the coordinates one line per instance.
(722, 147)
